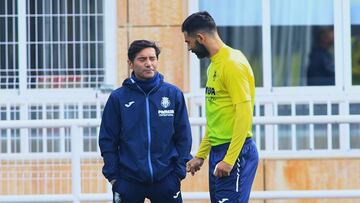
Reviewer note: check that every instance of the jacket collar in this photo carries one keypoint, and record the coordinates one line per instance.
(131, 83)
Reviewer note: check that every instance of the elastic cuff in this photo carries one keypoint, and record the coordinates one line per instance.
(199, 156)
(229, 161)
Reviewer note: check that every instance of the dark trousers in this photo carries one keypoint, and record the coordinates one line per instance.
(237, 186)
(165, 191)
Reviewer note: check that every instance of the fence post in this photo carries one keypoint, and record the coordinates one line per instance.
(76, 163)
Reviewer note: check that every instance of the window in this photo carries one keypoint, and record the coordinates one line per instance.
(259, 130)
(90, 133)
(14, 112)
(355, 41)
(3, 113)
(284, 130)
(354, 128)
(335, 128)
(302, 130)
(52, 112)
(89, 111)
(90, 139)
(35, 112)
(9, 66)
(302, 43)
(3, 141)
(240, 30)
(15, 140)
(35, 140)
(320, 130)
(311, 136)
(102, 106)
(70, 112)
(52, 134)
(3, 132)
(67, 140)
(35, 134)
(53, 139)
(10, 138)
(64, 44)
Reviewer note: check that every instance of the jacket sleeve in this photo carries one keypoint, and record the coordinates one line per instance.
(183, 139)
(109, 138)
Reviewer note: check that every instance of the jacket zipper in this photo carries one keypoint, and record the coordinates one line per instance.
(149, 137)
(148, 129)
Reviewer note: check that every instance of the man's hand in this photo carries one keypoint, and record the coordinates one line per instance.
(222, 169)
(194, 165)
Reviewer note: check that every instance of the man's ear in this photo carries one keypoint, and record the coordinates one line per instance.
(201, 37)
(130, 64)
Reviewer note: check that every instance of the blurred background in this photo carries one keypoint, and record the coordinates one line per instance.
(60, 59)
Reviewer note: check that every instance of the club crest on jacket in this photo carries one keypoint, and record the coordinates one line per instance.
(165, 102)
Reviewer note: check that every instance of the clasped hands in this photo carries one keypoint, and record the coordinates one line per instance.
(222, 169)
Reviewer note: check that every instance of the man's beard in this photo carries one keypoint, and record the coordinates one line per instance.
(200, 50)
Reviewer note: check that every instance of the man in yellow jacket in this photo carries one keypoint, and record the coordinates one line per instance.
(230, 91)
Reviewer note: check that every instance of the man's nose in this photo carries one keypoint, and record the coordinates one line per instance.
(147, 62)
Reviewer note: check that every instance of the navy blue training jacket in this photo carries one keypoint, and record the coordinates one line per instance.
(144, 137)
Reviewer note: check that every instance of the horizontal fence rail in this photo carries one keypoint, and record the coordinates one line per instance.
(275, 120)
(271, 120)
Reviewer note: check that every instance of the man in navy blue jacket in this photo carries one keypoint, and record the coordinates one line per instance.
(145, 135)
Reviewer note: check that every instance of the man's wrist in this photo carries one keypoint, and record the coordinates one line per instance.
(229, 161)
(198, 157)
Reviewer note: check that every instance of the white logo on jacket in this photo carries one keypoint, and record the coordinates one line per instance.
(169, 112)
(176, 195)
(165, 102)
(129, 104)
(223, 200)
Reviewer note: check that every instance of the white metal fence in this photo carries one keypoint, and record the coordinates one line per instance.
(77, 157)
(53, 143)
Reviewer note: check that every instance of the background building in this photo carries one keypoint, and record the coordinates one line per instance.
(60, 58)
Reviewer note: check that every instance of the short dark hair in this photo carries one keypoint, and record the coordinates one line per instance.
(138, 45)
(199, 21)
